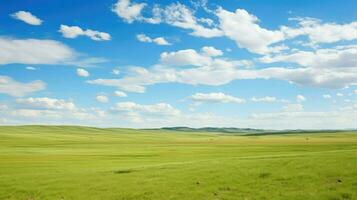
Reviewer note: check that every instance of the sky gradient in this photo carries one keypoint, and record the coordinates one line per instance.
(139, 63)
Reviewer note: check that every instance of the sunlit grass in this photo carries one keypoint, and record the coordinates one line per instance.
(39, 162)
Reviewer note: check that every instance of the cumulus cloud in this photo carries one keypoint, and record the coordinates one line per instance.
(242, 27)
(338, 57)
(145, 116)
(179, 15)
(293, 107)
(174, 14)
(128, 10)
(268, 99)
(34, 51)
(319, 32)
(218, 97)
(75, 31)
(131, 108)
(125, 84)
(82, 72)
(102, 98)
(184, 57)
(339, 94)
(300, 98)
(47, 103)
(158, 40)
(51, 111)
(326, 96)
(220, 72)
(17, 89)
(120, 94)
(202, 70)
(207, 70)
(161, 41)
(211, 51)
(116, 71)
(333, 67)
(27, 17)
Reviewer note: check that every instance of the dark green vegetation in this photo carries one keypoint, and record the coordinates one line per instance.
(247, 131)
(58, 162)
(215, 129)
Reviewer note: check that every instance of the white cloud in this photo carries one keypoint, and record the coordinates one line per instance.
(334, 67)
(120, 94)
(51, 111)
(338, 57)
(327, 78)
(293, 107)
(127, 10)
(102, 98)
(242, 27)
(319, 32)
(355, 91)
(17, 89)
(174, 14)
(3, 107)
(131, 108)
(221, 72)
(34, 51)
(216, 98)
(342, 118)
(87, 61)
(34, 113)
(203, 70)
(156, 16)
(339, 94)
(179, 15)
(158, 40)
(326, 96)
(134, 115)
(267, 99)
(300, 98)
(82, 72)
(207, 21)
(209, 71)
(47, 103)
(161, 41)
(143, 38)
(123, 84)
(31, 68)
(184, 57)
(75, 31)
(27, 17)
(116, 71)
(211, 51)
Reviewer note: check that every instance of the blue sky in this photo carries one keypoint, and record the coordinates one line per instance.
(139, 63)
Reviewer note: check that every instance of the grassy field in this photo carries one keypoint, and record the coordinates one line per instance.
(58, 162)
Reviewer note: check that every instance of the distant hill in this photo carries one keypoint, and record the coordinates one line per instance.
(248, 131)
(216, 129)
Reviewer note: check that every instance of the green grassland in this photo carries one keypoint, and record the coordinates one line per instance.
(64, 162)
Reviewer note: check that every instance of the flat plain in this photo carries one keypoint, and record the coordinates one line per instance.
(68, 162)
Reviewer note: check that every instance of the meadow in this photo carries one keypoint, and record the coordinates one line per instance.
(68, 162)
